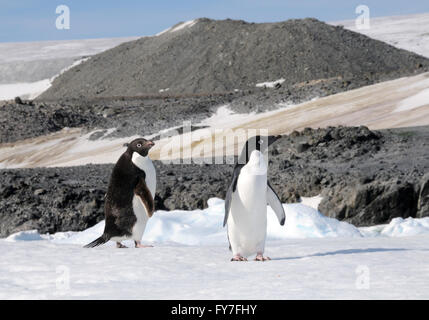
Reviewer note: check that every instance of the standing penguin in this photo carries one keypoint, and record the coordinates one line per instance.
(130, 196)
(246, 201)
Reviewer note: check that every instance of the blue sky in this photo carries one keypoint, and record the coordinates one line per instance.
(26, 20)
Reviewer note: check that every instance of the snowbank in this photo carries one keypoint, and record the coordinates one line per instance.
(399, 227)
(204, 227)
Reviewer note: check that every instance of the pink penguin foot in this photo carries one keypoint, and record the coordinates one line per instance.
(139, 245)
(238, 257)
(120, 245)
(260, 257)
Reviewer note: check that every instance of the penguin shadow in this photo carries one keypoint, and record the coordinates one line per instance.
(347, 251)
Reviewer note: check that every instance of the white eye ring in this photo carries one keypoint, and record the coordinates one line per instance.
(139, 145)
(261, 141)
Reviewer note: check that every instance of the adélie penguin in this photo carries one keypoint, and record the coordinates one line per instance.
(246, 201)
(129, 201)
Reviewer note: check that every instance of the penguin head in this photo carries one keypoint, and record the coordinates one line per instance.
(140, 145)
(259, 143)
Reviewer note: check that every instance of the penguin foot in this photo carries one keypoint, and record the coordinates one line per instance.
(120, 245)
(260, 257)
(238, 258)
(139, 245)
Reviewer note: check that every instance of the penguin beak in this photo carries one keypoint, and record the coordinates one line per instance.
(150, 144)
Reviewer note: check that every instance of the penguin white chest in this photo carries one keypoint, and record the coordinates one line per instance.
(247, 225)
(145, 164)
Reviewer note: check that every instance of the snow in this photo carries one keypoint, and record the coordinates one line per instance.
(409, 32)
(271, 84)
(312, 202)
(183, 25)
(45, 50)
(418, 100)
(313, 257)
(399, 227)
(24, 90)
(180, 26)
(162, 32)
(33, 89)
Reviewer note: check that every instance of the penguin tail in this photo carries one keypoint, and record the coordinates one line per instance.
(99, 241)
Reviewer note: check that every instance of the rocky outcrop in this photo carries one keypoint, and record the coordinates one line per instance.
(369, 204)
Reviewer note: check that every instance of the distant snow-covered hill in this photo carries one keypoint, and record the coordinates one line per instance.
(409, 32)
(27, 68)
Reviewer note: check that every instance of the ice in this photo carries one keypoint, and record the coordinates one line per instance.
(30, 235)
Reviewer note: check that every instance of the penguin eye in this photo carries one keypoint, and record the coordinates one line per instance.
(139, 145)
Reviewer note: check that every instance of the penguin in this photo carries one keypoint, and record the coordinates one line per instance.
(246, 201)
(129, 202)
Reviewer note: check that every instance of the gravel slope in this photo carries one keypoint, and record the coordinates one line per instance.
(218, 56)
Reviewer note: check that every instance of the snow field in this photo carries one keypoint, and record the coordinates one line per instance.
(313, 257)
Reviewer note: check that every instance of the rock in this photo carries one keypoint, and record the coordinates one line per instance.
(18, 100)
(423, 202)
(302, 146)
(374, 203)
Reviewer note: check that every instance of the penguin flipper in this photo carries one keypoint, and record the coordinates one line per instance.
(230, 191)
(275, 203)
(143, 194)
(99, 241)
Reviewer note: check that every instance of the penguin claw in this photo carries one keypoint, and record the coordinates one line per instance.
(120, 245)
